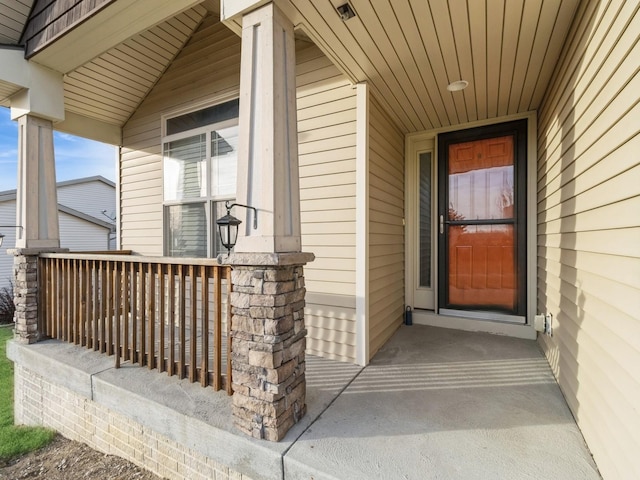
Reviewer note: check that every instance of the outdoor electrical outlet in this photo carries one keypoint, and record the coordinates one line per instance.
(548, 328)
(539, 323)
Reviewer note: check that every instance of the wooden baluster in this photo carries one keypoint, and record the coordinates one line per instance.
(172, 321)
(151, 317)
(110, 310)
(143, 320)
(94, 290)
(204, 362)
(126, 292)
(181, 324)
(217, 334)
(76, 302)
(161, 307)
(117, 311)
(193, 333)
(134, 314)
(229, 346)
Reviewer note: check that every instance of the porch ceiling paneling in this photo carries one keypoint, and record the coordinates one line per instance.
(111, 87)
(13, 16)
(410, 50)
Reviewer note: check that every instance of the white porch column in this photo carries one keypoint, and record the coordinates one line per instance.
(37, 199)
(268, 149)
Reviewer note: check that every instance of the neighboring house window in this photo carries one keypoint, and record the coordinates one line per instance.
(200, 152)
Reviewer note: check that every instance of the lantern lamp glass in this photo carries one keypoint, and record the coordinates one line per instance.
(228, 228)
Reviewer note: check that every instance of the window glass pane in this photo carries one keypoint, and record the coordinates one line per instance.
(481, 179)
(425, 219)
(186, 234)
(224, 161)
(185, 168)
(204, 117)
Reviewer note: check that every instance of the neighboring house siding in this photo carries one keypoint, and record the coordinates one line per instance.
(78, 235)
(91, 198)
(7, 217)
(327, 149)
(209, 68)
(589, 230)
(386, 232)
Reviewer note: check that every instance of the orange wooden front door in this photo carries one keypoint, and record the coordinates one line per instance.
(480, 225)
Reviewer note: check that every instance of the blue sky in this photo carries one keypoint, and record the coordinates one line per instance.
(75, 157)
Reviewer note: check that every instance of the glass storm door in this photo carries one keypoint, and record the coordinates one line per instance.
(481, 220)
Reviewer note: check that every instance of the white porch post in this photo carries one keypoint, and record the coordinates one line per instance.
(268, 334)
(35, 107)
(268, 150)
(37, 199)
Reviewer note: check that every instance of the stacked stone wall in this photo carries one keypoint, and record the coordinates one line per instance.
(268, 344)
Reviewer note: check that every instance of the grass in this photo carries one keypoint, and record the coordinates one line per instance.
(15, 440)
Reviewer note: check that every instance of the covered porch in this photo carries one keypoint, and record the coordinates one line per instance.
(433, 403)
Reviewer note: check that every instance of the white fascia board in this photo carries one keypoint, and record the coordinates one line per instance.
(90, 128)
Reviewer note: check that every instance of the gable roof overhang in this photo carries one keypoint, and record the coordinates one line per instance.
(109, 59)
(408, 51)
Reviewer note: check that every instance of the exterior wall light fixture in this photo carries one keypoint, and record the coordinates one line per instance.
(228, 225)
(346, 12)
(7, 226)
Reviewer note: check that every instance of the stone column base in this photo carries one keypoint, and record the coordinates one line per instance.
(268, 338)
(25, 292)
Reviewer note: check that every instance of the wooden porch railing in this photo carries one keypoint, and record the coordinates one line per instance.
(163, 313)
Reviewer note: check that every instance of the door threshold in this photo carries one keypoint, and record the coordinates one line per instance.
(428, 317)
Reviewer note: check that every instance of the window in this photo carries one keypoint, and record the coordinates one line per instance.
(200, 156)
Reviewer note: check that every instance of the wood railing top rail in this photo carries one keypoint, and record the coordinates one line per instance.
(207, 262)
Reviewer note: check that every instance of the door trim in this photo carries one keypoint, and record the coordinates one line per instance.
(412, 146)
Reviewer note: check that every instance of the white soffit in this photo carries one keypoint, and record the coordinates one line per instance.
(13, 16)
(110, 87)
(410, 50)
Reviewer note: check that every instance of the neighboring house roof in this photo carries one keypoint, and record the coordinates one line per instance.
(65, 183)
(84, 216)
(9, 195)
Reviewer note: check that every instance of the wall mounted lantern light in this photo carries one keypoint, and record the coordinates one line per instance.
(228, 225)
(7, 226)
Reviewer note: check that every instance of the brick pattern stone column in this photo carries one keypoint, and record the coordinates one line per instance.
(268, 338)
(25, 296)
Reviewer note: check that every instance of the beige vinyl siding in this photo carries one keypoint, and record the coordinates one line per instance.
(589, 230)
(208, 68)
(327, 148)
(386, 232)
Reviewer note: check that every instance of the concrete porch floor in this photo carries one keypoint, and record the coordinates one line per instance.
(445, 404)
(433, 404)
